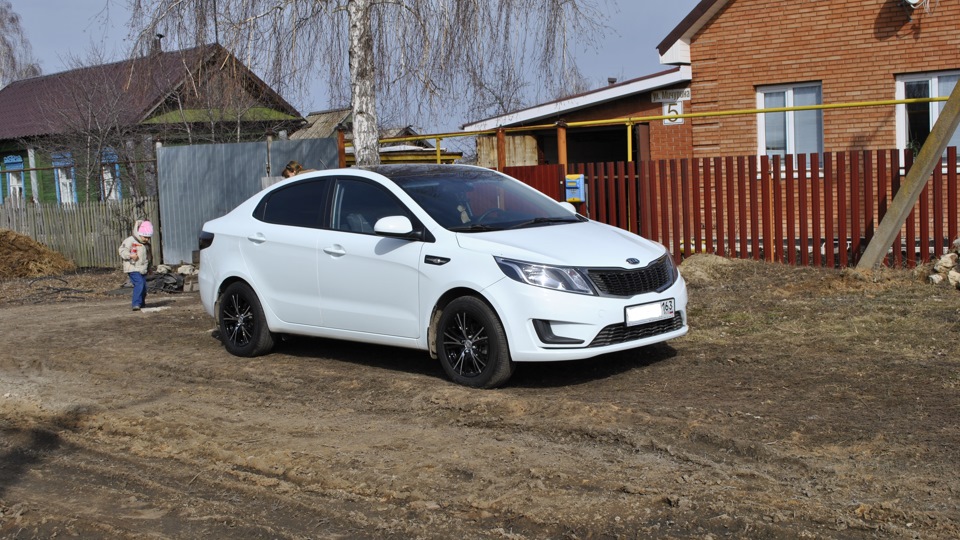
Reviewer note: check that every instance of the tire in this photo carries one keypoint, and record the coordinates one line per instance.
(472, 345)
(243, 327)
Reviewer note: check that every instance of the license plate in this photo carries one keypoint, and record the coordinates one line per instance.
(644, 313)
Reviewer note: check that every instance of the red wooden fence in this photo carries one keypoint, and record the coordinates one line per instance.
(816, 209)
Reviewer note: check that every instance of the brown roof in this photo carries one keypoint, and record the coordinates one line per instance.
(692, 22)
(131, 89)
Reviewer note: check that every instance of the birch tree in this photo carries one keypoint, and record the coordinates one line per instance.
(16, 55)
(422, 55)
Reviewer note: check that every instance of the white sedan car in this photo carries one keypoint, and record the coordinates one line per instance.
(469, 264)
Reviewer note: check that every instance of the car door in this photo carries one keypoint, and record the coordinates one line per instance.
(368, 283)
(281, 251)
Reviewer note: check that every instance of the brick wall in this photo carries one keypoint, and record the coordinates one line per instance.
(854, 48)
(672, 141)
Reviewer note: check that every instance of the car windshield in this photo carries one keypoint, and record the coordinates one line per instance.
(476, 200)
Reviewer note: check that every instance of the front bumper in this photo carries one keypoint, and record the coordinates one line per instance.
(573, 326)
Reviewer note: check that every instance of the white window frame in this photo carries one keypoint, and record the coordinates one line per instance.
(65, 186)
(787, 89)
(933, 79)
(111, 185)
(15, 184)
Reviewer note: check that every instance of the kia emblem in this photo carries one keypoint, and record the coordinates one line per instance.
(631, 260)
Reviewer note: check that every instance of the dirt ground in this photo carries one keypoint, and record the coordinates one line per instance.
(804, 403)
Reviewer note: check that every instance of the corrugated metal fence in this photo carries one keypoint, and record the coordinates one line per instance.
(202, 182)
(87, 233)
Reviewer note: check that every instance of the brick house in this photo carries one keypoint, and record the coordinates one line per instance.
(754, 54)
(89, 134)
(751, 54)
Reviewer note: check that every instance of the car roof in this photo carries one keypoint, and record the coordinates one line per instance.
(426, 170)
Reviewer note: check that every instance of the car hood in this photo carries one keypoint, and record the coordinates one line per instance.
(573, 244)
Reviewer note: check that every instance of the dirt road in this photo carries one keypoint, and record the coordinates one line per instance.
(803, 404)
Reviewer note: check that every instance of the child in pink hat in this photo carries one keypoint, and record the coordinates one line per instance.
(136, 256)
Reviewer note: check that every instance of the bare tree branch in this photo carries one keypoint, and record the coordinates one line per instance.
(16, 55)
(413, 55)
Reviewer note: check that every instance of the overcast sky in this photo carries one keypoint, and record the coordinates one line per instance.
(58, 28)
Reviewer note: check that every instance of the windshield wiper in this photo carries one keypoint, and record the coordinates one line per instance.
(544, 220)
(476, 227)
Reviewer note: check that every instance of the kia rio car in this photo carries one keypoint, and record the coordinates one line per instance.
(466, 263)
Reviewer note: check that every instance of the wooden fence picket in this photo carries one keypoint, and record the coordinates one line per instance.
(814, 209)
(88, 233)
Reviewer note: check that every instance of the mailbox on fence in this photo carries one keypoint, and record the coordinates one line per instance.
(576, 188)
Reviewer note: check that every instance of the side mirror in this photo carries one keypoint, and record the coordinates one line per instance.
(568, 206)
(394, 226)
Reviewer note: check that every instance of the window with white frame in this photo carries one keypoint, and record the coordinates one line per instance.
(63, 171)
(790, 132)
(915, 120)
(110, 176)
(14, 167)
(111, 188)
(65, 186)
(15, 183)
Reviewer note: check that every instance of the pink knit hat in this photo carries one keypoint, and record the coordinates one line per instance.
(145, 229)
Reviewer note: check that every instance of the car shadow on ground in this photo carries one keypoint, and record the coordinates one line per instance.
(526, 374)
(575, 372)
(33, 445)
(377, 356)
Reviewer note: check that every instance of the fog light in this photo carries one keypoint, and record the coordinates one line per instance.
(546, 335)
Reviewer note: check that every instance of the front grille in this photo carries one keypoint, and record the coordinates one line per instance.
(621, 333)
(616, 282)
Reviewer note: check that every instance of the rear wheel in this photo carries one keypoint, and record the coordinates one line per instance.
(243, 327)
(472, 345)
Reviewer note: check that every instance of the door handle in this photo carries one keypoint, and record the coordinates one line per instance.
(258, 238)
(336, 250)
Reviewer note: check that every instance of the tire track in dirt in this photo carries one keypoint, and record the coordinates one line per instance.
(333, 439)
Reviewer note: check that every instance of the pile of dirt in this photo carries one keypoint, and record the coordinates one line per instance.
(703, 269)
(22, 257)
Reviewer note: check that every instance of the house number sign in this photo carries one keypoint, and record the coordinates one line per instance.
(672, 103)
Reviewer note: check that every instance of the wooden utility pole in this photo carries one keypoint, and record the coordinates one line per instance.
(562, 143)
(917, 177)
(502, 148)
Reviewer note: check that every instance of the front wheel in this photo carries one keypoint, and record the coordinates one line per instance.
(472, 345)
(243, 327)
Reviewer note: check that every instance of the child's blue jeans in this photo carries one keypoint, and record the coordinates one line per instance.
(139, 288)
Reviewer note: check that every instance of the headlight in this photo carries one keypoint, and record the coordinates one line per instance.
(672, 269)
(557, 278)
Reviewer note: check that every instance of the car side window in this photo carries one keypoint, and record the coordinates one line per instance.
(358, 204)
(298, 205)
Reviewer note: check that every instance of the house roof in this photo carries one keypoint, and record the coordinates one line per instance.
(131, 90)
(323, 124)
(675, 48)
(611, 92)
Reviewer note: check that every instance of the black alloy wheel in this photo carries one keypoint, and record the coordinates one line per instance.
(472, 344)
(243, 327)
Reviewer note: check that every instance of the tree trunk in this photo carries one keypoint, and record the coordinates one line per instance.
(366, 146)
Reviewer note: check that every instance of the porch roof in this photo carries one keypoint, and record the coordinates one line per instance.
(672, 76)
